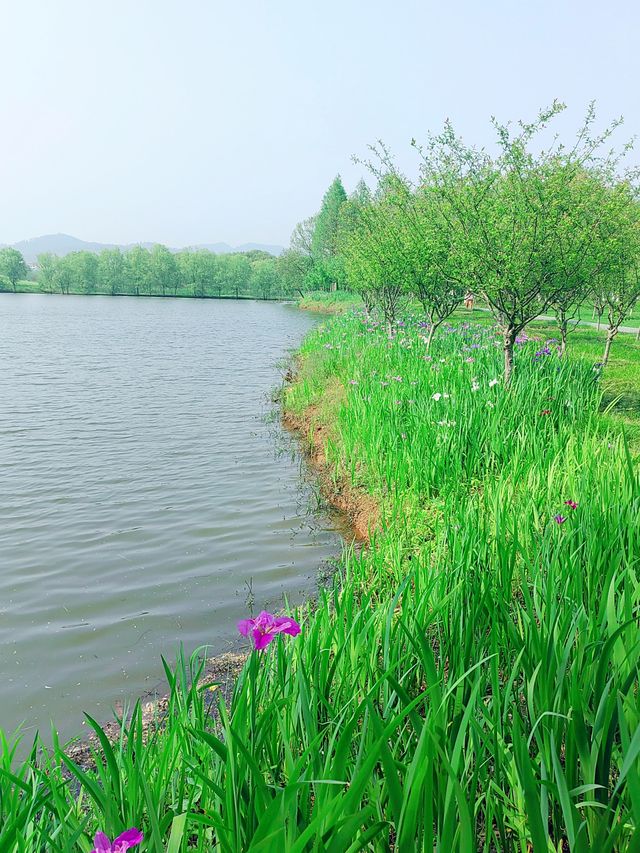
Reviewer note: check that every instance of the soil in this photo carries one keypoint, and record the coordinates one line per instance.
(221, 671)
(360, 508)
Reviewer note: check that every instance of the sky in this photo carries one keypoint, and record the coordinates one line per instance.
(194, 121)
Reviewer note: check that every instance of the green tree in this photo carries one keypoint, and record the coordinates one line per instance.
(328, 268)
(12, 266)
(111, 271)
(579, 251)
(138, 270)
(425, 255)
(264, 277)
(293, 271)
(47, 264)
(82, 268)
(617, 286)
(238, 273)
(295, 264)
(373, 257)
(63, 278)
(503, 213)
(164, 269)
(197, 271)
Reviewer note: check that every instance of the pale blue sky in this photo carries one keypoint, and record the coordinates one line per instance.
(190, 121)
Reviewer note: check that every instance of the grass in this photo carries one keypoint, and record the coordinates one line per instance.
(337, 302)
(621, 381)
(632, 321)
(469, 682)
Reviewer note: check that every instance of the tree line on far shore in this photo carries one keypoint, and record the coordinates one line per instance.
(528, 229)
(310, 264)
(152, 272)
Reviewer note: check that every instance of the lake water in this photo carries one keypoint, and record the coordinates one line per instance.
(143, 491)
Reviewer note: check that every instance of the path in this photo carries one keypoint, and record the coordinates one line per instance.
(629, 330)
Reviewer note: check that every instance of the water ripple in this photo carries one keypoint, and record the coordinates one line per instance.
(140, 494)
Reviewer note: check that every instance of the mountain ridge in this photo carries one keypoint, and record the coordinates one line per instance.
(62, 244)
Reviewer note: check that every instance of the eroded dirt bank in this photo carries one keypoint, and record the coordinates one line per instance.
(314, 429)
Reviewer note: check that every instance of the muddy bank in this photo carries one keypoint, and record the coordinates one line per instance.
(359, 508)
(219, 676)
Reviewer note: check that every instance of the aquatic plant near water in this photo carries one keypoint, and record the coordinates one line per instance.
(129, 838)
(266, 626)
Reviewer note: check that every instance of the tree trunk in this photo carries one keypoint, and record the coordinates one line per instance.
(509, 341)
(612, 331)
(563, 336)
(430, 336)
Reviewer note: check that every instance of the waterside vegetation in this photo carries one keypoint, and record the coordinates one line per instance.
(469, 680)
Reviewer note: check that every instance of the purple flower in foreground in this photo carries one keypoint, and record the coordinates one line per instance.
(265, 626)
(560, 519)
(129, 838)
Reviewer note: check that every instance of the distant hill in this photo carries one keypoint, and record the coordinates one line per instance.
(63, 244)
(225, 248)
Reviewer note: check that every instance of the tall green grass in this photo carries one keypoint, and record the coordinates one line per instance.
(470, 681)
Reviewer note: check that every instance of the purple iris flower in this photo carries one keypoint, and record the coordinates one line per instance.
(129, 838)
(265, 626)
(559, 518)
(543, 351)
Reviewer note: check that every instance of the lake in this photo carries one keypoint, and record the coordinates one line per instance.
(146, 488)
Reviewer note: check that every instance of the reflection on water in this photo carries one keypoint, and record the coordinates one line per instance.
(141, 492)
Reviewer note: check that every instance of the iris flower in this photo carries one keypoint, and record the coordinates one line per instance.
(559, 518)
(129, 838)
(572, 504)
(265, 626)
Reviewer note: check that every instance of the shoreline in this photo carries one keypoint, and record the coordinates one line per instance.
(240, 297)
(360, 516)
(154, 705)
